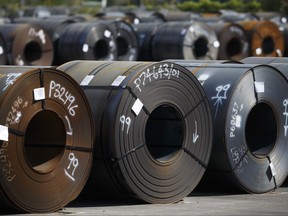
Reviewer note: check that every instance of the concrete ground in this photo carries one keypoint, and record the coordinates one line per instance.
(200, 203)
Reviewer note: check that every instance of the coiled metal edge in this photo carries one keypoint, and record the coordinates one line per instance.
(248, 105)
(46, 139)
(153, 128)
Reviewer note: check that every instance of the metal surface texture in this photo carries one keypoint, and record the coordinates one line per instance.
(54, 26)
(126, 40)
(3, 52)
(87, 41)
(27, 44)
(153, 129)
(248, 107)
(233, 41)
(265, 38)
(146, 32)
(46, 139)
(185, 40)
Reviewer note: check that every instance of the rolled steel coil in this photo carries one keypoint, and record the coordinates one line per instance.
(233, 41)
(54, 26)
(146, 32)
(46, 139)
(3, 51)
(179, 16)
(249, 106)
(87, 41)
(265, 38)
(153, 128)
(126, 40)
(27, 44)
(185, 40)
(150, 17)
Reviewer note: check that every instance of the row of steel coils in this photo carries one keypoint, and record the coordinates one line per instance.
(150, 130)
(30, 41)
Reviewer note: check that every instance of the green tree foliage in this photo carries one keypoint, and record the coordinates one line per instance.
(213, 5)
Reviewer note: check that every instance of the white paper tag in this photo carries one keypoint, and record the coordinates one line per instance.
(87, 80)
(118, 80)
(259, 87)
(238, 121)
(137, 106)
(273, 170)
(39, 93)
(4, 133)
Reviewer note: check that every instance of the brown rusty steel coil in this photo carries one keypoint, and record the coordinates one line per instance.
(249, 107)
(46, 139)
(233, 41)
(153, 128)
(87, 41)
(54, 26)
(265, 38)
(27, 44)
(184, 40)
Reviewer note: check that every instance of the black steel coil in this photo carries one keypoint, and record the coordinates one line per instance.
(184, 40)
(46, 139)
(3, 52)
(233, 41)
(146, 32)
(87, 41)
(153, 128)
(126, 40)
(27, 44)
(248, 105)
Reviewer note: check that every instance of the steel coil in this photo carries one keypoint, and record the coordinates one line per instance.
(87, 41)
(248, 105)
(46, 139)
(54, 26)
(3, 52)
(265, 38)
(126, 40)
(27, 44)
(233, 41)
(153, 128)
(146, 32)
(185, 40)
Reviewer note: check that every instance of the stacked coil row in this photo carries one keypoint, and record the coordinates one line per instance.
(151, 130)
(141, 37)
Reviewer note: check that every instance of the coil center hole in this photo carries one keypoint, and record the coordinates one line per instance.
(122, 46)
(164, 133)
(45, 140)
(268, 45)
(200, 47)
(101, 49)
(234, 47)
(32, 51)
(261, 130)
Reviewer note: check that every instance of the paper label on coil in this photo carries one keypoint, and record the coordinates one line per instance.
(87, 79)
(238, 121)
(4, 133)
(137, 106)
(259, 87)
(118, 80)
(1, 50)
(39, 93)
(107, 33)
(85, 48)
(273, 170)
